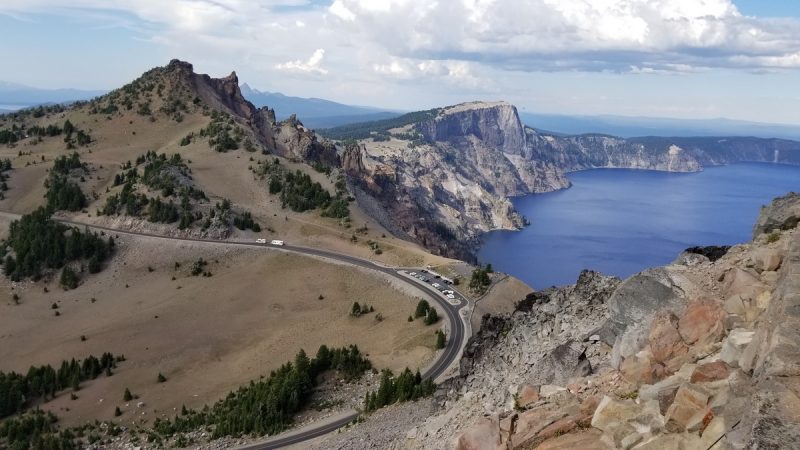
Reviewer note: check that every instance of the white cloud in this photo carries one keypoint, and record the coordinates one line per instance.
(311, 65)
(547, 35)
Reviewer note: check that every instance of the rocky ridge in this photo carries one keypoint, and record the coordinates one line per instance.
(288, 138)
(446, 179)
(697, 354)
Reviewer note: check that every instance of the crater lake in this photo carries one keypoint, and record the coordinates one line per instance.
(622, 221)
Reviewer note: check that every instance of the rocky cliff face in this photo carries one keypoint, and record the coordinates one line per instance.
(698, 354)
(289, 138)
(454, 170)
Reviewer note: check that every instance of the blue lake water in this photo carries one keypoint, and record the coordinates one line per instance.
(621, 221)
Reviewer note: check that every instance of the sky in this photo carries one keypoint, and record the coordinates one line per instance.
(737, 59)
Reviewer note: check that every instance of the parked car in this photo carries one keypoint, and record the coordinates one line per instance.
(261, 241)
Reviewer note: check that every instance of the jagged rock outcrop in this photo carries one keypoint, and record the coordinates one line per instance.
(289, 138)
(782, 214)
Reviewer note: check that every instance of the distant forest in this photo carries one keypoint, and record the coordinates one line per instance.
(377, 128)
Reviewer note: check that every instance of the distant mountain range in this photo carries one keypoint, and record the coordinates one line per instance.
(314, 112)
(628, 127)
(319, 113)
(14, 96)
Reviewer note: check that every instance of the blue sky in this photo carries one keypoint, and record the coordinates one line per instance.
(668, 58)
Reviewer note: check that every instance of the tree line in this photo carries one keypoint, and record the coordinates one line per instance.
(63, 194)
(379, 128)
(18, 391)
(19, 132)
(40, 243)
(397, 389)
(298, 192)
(35, 430)
(267, 406)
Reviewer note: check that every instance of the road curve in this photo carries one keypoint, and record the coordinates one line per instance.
(445, 358)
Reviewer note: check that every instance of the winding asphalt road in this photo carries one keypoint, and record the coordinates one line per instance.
(445, 358)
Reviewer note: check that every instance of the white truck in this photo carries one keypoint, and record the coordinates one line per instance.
(261, 241)
(276, 242)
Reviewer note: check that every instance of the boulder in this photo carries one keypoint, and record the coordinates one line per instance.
(584, 440)
(527, 395)
(702, 323)
(530, 423)
(742, 282)
(483, 435)
(665, 340)
(637, 299)
(713, 371)
(735, 305)
(766, 259)
(629, 343)
(563, 363)
(611, 413)
(638, 369)
(734, 345)
(690, 401)
(548, 390)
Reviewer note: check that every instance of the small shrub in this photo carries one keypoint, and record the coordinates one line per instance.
(775, 236)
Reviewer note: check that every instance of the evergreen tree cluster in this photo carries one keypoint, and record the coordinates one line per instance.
(40, 243)
(159, 173)
(19, 391)
(5, 166)
(359, 310)
(223, 133)
(63, 194)
(35, 430)
(267, 406)
(300, 193)
(404, 387)
(424, 309)
(378, 128)
(245, 221)
(480, 280)
(63, 165)
(19, 132)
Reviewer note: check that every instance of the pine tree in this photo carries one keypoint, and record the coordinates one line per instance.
(432, 317)
(127, 396)
(440, 339)
(422, 309)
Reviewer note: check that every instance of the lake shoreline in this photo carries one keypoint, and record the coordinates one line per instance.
(701, 236)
